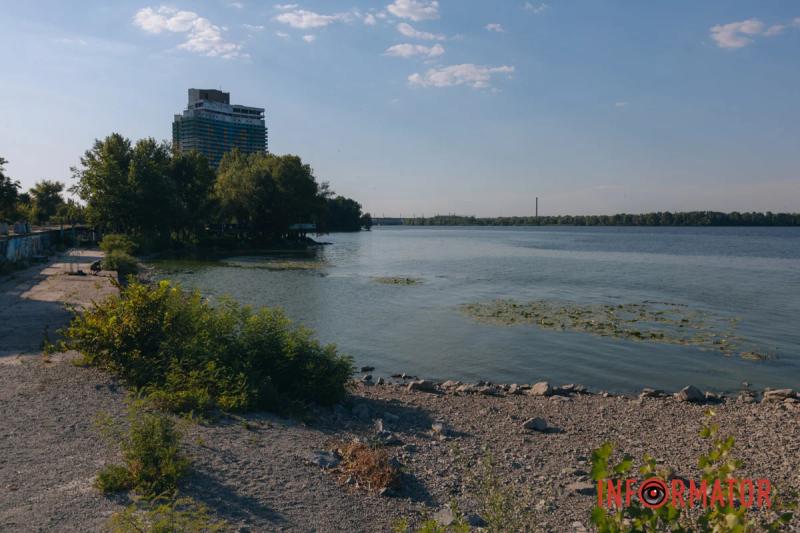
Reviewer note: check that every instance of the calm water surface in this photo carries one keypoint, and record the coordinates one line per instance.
(749, 273)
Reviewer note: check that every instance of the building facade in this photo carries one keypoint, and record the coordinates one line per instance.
(213, 127)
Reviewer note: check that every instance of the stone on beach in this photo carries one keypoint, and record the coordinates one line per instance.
(690, 393)
(535, 424)
(424, 385)
(542, 388)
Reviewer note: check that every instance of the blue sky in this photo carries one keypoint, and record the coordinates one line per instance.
(421, 107)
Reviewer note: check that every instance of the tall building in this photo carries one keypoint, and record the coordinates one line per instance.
(213, 127)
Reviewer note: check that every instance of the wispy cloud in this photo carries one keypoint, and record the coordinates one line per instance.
(253, 27)
(409, 31)
(302, 19)
(736, 34)
(415, 10)
(202, 37)
(411, 50)
(535, 8)
(309, 38)
(286, 7)
(495, 27)
(71, 41)
(476, 76)
(773, 30)
(620, 104)
(282, 34)
(370, 20)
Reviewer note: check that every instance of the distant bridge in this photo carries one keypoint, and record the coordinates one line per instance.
(387, 221)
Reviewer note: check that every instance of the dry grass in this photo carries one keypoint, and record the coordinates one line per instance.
(368, 467)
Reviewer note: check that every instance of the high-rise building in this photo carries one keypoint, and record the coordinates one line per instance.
(213, 127)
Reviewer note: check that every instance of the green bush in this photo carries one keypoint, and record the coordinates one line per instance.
(152, 462)
(121, 262)
(113, 478)
(186, 354)
(115, 242)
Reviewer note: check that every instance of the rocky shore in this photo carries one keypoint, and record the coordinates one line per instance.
(452, 441)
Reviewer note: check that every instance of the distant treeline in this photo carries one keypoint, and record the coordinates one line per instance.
(689, 218)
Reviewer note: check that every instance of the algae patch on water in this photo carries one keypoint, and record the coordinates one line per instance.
(658, 322)
(398, 281)
(277, 264)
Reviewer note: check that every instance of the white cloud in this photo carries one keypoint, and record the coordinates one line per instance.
(286, 7)
(414, 9)
(309, 38)
(495, 27)
(411, 50)
(302, 19)
(620, 104)
(282, 35)
(774, 30)
(409, 31)
(535, 8)
(370, 20)
(477, 76)
(252, 27)
(202, 37)
(796, 22)
(736, 34)
(234, 3)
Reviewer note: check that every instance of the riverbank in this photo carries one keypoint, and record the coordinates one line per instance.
(261, 472)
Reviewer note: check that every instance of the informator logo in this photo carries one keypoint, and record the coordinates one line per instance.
(655, 492)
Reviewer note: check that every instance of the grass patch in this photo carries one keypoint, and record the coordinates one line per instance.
(152, 462)
(656, 322)
(185, 355)
(166, 516)
(398, 281)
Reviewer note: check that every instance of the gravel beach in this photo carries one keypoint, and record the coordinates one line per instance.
(261, 472)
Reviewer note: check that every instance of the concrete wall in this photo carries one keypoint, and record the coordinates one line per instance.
(20, 247)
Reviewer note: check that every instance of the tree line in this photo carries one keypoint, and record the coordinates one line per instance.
(666, 218)
(162, 197)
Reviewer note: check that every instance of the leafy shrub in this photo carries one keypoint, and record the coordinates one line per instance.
(166, 516)
(186, 354)
(150, 452)
(121, 262)
(115, 242)
(113, 478)
(718, 464)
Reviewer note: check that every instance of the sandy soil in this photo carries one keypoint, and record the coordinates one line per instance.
(261, 475)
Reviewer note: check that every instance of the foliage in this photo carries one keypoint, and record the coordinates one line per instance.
(152, 462)
(691, 218)
(8, 193)
(264, 193)
(142, 189)
(166, 516)
(121, 262)
(46, 200)
(116, 242)
(718, 464)
(187, 354)
(344, 214)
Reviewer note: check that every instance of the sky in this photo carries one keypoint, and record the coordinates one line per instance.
(421, 107)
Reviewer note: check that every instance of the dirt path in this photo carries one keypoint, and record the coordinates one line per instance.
(32, 301)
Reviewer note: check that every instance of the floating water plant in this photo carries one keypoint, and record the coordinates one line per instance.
(658, 322)
(398, 281)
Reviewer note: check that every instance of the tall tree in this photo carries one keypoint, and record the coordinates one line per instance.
(8, 193)
(46, 200)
